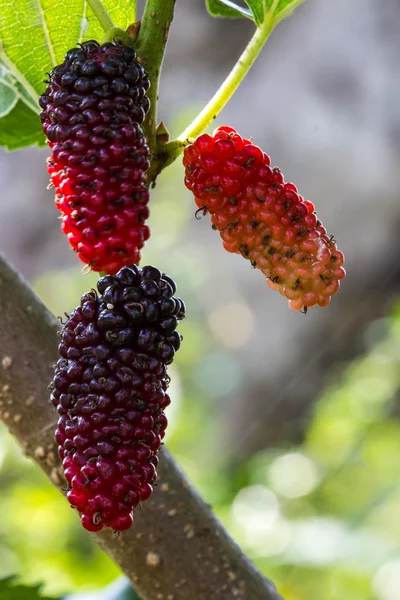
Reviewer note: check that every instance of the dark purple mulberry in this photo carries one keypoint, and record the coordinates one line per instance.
(92, 109)
(109, 388)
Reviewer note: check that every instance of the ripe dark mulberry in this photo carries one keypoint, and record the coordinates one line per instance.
(263, 218)
(110, 390)
(91, 113)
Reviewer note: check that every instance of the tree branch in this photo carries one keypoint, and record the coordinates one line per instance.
(176, 548)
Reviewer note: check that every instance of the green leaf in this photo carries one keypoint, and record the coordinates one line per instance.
(8, 99)
(19, 128)
(120, 589)
(283, 9)
(18, 91)
(226, 8)
(257, 9)
(9, 590)
(275, 10)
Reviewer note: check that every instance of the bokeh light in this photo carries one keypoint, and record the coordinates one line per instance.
(293, 475)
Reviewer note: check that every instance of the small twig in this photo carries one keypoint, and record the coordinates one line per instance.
(170, 151)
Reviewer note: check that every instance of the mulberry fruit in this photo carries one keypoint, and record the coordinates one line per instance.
(263, 218)
(110, 390)
(91, 113)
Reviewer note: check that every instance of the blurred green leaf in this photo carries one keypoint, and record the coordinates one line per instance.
(8, 99)
(275, 9)
(9, 590)
(257, 9)
(20, 127)
(120, 589)
(18, 91)
(227, 9)
(19, 123)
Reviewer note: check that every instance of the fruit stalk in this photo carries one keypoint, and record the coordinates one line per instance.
(234, 79)
(176, 543)
(226, 90)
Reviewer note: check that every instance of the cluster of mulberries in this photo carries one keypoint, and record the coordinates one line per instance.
(109, 389)
(91, 113)
(110, 384)
(263, 218)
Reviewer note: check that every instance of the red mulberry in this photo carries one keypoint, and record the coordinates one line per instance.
(263, 218)
(91, 113)
(110, 390)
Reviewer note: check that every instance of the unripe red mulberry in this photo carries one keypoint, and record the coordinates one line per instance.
(109, 388)
(91, 113)
(263, 218)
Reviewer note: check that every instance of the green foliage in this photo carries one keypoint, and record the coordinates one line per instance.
(19, 124)
(20, 127)
(120, 589)
(8, 99)
(226, 8)
(274, 10)
(331, 502)
(10, 590)
(258, 9)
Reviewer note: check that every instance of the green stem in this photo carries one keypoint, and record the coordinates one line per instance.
(235, 77)
(150, 47)
(101, 14)
(167, 153)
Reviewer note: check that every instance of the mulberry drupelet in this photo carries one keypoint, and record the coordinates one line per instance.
(110, 390)
(263, 218)
(91, 113)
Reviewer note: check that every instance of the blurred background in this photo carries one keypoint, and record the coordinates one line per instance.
(288, 424)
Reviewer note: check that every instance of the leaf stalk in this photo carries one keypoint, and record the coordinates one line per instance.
(101, 14)
(167, 153)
